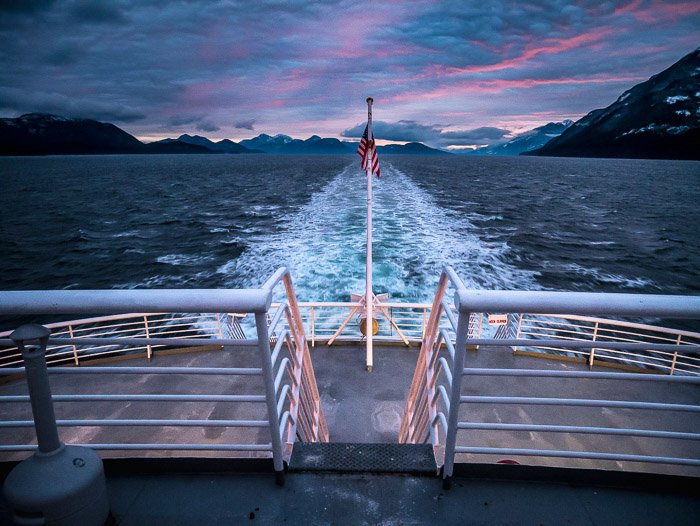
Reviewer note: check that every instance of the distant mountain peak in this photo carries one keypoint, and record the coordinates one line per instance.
(526, 141)
(46, 134)
(658, 119)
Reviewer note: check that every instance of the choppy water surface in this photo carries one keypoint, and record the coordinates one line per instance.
(229, 221)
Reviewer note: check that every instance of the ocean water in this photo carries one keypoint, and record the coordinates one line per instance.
(196, 221)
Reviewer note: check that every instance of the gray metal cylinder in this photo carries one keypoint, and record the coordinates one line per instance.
(58, 485)
(32, 341)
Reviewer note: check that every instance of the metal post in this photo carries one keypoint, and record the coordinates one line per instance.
(38, 382)
(75, 348)
(517, 332)
(369, 296)
(270, 394)
(148, 347)
(675, 356)
(313, 328)
(457, 368)
(592, 355)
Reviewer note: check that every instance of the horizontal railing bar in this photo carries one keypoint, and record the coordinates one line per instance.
(141, 341)
(447, 311)
(140, 398)
(278, 346)
(154, 447)
(457, 282)
(576, 454)
(606, 322)
(550, 302)
(242, 371)
(580, 429)
(278, 316)
(582, 402)
(137, 318)
(584, 344)
(143, 422)
(581, 374)
(113, 301)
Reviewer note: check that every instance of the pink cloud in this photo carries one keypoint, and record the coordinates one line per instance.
(550, 47)
(472, 87)
(658, 11)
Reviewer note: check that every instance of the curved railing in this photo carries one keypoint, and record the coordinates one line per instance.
(322, 321)
(293, 409)
(437, 409)
(586, 328)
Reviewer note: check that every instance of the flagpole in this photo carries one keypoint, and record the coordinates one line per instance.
(369, 297)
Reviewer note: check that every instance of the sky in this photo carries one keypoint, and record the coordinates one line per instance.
(451, 74)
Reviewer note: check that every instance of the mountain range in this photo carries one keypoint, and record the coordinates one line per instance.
(44, 134)
(527, 141)
(657, 119)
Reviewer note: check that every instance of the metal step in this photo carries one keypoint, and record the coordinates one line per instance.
(416, 459)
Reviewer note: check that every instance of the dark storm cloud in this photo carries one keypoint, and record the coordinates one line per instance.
(207, 126)
(184, 122)
(23, 6)
(20, 101)
(97, 11)
(306, 67)
(245, 125)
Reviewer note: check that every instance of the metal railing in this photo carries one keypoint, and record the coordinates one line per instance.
(332, 322)
(586, 328)
(323, 320)
(293, 409)
(437, 409)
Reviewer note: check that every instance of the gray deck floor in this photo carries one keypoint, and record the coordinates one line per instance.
(362, 407)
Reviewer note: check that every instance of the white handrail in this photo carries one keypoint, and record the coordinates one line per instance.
(435, 396)
(131, 314)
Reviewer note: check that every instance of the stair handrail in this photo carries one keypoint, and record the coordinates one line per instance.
(420, 414)
(306, 415)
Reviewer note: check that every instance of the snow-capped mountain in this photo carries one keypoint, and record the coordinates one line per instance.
(657, 119)
(527, 141)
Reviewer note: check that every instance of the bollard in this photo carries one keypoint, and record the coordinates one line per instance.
(58, 485)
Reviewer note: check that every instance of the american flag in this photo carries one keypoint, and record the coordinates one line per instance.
(368, 151)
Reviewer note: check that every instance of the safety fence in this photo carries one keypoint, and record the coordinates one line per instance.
(330, 322)
(585, 328)
(275, 394)
(441, 407)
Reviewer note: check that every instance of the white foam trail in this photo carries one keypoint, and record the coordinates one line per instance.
(323, 244)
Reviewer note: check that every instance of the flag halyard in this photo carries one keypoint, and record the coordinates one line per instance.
(368, 151)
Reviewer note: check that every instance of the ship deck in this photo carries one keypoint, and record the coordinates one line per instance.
(363, 411)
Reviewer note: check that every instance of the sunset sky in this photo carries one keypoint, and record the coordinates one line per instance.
(450, 74)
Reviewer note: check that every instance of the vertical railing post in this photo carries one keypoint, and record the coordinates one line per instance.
(75, 347)
(313, 327)
(270, 394)
(218, 324)
(675, 355)
(148, 346)
(592, 355)
(456, 391)
(517, 331)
